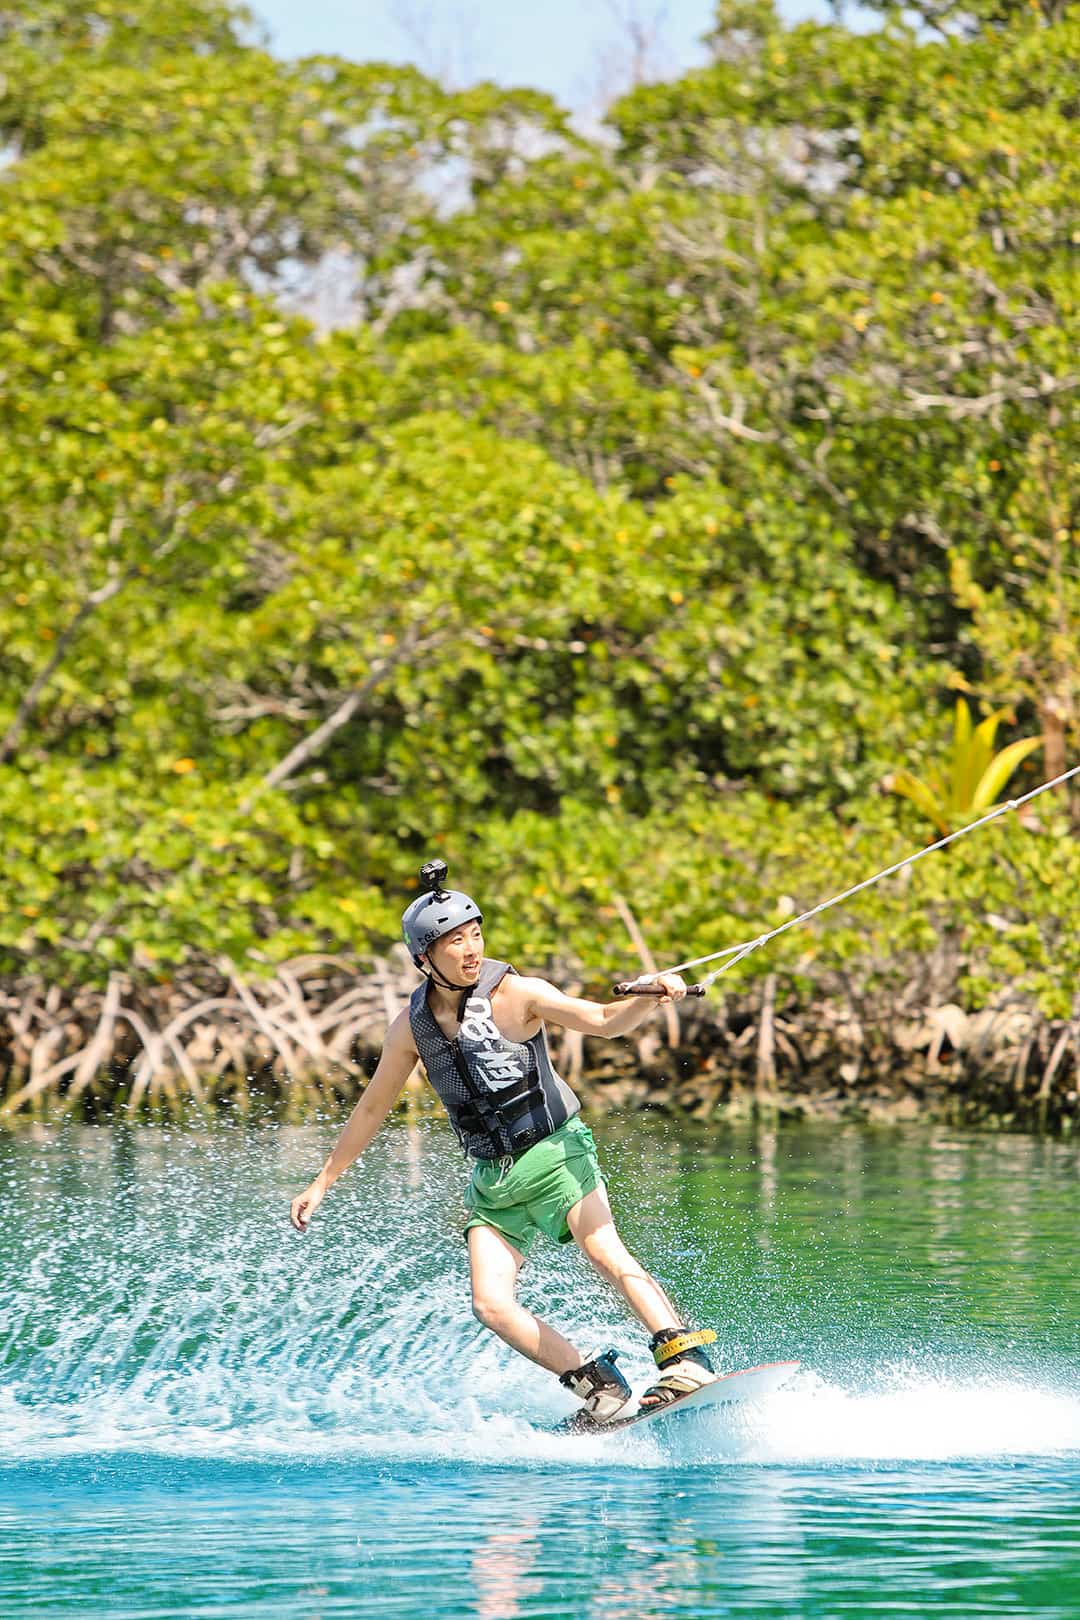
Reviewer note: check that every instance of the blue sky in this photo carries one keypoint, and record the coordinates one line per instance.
(578, 49)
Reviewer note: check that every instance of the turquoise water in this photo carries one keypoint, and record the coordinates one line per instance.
(203, 1413)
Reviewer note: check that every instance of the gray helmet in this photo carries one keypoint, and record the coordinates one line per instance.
(435, 913)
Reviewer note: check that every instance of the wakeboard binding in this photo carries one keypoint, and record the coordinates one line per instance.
(601, 1388)
(683, 1362)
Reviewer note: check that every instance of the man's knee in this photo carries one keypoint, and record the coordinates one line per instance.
(493, 1267)
(491, 1309)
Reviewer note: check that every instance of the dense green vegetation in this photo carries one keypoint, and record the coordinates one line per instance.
(662, 495)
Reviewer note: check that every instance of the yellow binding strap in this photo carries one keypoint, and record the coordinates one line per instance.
(685, 1341)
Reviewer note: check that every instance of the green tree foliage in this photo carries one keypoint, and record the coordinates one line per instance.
(645, 516)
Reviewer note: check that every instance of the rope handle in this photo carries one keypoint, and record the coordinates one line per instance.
(627, 987)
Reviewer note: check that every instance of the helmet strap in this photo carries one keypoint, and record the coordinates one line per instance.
(433, 976)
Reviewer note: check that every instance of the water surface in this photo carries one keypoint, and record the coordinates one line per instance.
(203, 1413)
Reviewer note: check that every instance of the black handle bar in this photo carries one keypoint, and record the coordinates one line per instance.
(628, 988)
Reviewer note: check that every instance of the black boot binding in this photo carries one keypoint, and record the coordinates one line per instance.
(600, 1386)
(683, 1364)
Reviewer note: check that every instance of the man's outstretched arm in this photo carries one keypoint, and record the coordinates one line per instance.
(545, 1001)
(380, 1094)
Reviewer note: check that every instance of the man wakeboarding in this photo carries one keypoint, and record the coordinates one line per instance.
(477, 1025)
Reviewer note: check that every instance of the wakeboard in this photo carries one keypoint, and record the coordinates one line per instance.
(750, 1384)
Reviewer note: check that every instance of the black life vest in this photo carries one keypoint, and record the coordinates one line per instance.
(502, 1096)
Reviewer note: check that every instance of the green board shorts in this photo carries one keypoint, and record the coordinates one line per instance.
(536, 1192)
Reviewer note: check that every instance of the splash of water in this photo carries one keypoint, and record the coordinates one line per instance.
(177, 1314)
(378, 1358)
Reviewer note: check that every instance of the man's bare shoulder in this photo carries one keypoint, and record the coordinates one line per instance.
(523, 987)
(399, 1036)
(524, 983)
(539, 995)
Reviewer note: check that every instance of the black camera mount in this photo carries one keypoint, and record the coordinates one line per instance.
(432, 876)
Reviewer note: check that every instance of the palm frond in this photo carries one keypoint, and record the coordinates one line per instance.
(998, 772)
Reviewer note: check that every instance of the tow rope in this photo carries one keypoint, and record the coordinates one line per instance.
(737, 953)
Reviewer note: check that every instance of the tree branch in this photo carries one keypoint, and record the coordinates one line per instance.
(959, 405)
(410, 644)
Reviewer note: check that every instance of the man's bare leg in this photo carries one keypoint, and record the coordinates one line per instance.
(593, 1230)
(494, 1264)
